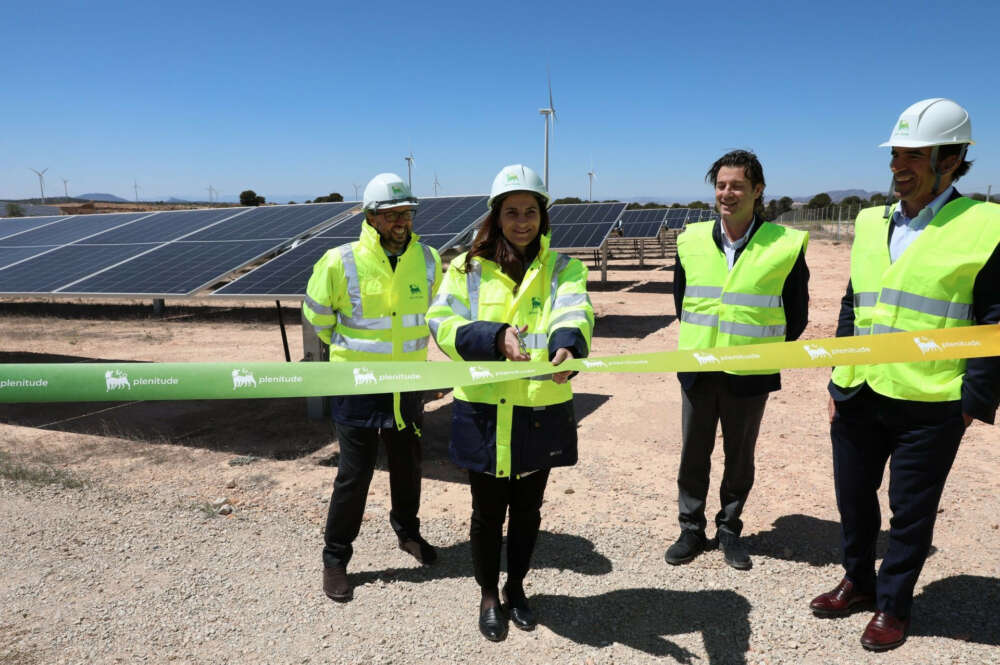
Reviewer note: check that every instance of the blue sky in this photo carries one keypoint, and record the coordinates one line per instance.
(304, 98)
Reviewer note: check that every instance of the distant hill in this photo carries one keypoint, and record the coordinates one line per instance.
(176, 200)
(101, 197)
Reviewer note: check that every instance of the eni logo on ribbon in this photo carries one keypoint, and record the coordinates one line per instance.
(363, 376)
(926, 345)
(816, 352)
(480, 373)
(705, 359)
(243, 378)
(116, 380)
(594, 363)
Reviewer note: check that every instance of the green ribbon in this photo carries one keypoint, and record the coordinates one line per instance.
(114, 382)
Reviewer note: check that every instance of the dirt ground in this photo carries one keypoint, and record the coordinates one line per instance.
(629, 423)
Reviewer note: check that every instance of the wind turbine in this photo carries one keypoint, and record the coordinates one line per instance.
(356, 192)
(41, 180)
(436, 184)
(547, 112)
(136, 187)
(211, 191)
(65, 187)
(409, 169)
(591, 174)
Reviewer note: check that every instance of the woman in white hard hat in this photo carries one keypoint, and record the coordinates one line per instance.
(510, 297)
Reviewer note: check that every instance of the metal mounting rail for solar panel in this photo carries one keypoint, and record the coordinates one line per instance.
(63, 269)
(643, 223)
(285, 276)
(583, 225)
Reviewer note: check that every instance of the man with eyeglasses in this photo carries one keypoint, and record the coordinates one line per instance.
(367, 300)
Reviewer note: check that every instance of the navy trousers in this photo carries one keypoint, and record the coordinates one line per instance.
(919, 440)
(358, 454)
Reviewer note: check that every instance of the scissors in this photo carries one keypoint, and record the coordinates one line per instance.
(521, 344)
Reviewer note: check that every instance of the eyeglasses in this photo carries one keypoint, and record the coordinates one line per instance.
(392, 216)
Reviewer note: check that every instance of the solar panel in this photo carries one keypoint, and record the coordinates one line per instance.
(643, 223)
(157, 254)
(439, 222)
(71, 229)
(163, 226)
(12, 225)
(582, 226)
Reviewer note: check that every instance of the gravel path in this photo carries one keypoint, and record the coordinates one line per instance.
(117, 574)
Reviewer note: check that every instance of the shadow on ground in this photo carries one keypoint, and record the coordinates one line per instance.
(959, 608)
(142, 311)
(561, 551)
(643, 619)
(634, 326)
(807, 539)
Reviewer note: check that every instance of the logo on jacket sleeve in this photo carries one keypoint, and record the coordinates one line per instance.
(414, 290)
(536, 304)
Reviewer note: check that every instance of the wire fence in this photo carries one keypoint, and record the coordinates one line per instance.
(836, 222)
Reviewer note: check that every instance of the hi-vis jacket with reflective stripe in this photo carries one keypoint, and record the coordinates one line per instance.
(514, 426)
(365, 310)
(929, 286)
(725, 307)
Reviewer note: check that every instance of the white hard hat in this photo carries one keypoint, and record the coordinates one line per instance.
(387, 190)
(935, 121)
(517, 178)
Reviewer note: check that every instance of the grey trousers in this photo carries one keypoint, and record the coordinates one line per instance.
(704, 405)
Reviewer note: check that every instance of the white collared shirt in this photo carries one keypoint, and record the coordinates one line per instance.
(731, 246)
(907, 229)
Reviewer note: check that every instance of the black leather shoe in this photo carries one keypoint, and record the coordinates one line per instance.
(517, 607)
(735, 551)
(419, 549)
(687, 547)
(335, 584)
(493, 624)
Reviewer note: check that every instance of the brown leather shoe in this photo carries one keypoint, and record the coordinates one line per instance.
(335, 584)
(884, 632)
(840, 600)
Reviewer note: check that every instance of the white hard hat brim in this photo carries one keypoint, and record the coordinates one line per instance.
(397, 204)
(904, 143)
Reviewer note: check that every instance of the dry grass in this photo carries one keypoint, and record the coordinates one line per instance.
(36, 473)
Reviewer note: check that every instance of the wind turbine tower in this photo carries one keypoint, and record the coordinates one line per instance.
(409, 170)
(436, 184)
(591, 175)
(136, 187)
(41, 180)
(356, 187)
(65, 187)
(548, 112)
(211, 191)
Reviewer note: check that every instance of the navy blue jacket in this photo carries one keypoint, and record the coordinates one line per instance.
(541, 437)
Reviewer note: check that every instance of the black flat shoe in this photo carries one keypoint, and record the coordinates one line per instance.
(493, 624)
(517, 606)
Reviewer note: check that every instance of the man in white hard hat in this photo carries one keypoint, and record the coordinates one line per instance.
(368, 301)
(930, 261)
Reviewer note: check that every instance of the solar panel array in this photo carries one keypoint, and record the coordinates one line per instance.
(678, 217)
(439, 222)
(643, 223)
(168, 253)
(583, 225)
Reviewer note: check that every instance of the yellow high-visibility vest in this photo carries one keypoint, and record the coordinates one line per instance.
(724, 307)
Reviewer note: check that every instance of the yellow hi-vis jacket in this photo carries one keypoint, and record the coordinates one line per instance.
(552, 302)
(723, 307)
(365, 310)
(929, 286)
